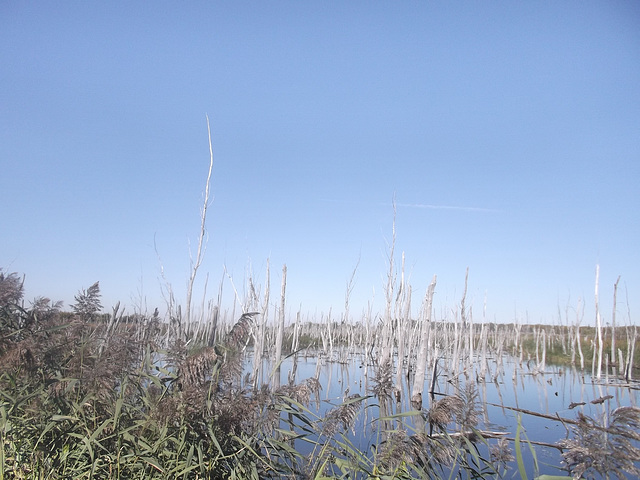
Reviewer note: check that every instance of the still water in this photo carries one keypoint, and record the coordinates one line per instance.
(508, 391)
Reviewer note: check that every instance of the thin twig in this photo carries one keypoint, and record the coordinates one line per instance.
(557, 418)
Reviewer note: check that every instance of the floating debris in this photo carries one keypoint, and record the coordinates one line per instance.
(600, 400)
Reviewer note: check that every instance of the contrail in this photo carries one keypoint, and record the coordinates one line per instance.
(445, 207)
(426, 206)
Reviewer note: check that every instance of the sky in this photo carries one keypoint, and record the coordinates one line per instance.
(506, 134)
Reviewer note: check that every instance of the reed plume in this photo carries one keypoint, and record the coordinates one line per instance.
(383, 380)
(604, 449)
(501, 453)
(425, 453)
(301, 392)
(470, 415)
(444, 411)
(461, 407)
(397, 449)
(240, 331)
(343, 416)
(196, 369)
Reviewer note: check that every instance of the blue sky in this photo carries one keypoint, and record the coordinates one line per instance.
(508, 134)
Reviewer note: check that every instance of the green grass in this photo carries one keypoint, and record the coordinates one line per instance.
(558, 355)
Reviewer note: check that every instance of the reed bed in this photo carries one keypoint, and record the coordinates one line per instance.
(91, 395)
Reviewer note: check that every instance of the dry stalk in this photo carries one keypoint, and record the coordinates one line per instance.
(195, 263)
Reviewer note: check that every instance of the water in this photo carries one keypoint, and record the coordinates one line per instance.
(507, 392)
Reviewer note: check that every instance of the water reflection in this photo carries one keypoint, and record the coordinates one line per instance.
(507, 388)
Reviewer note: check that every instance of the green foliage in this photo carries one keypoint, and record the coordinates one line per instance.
(82, 400)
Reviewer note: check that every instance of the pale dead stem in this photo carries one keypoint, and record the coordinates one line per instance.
(195, 264)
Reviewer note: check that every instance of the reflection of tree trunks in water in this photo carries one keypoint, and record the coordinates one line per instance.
(421, 425)
(631, 346)
(329, 382)
(386, 424)
(579, 313)
(483, 404)
(294, 350)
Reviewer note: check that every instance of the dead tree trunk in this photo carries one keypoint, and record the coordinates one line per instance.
(421, 364)
(598, 327)
(280, 331)
(613, 321)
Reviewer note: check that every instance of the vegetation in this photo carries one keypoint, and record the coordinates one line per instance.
(90, 395)
(84, 398)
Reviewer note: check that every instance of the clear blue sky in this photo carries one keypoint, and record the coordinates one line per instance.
(508, 132)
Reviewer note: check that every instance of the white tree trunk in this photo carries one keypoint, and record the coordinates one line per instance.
(598, 327)
(401, 322)
(280, 331)
(613, 321)
(421, 364)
